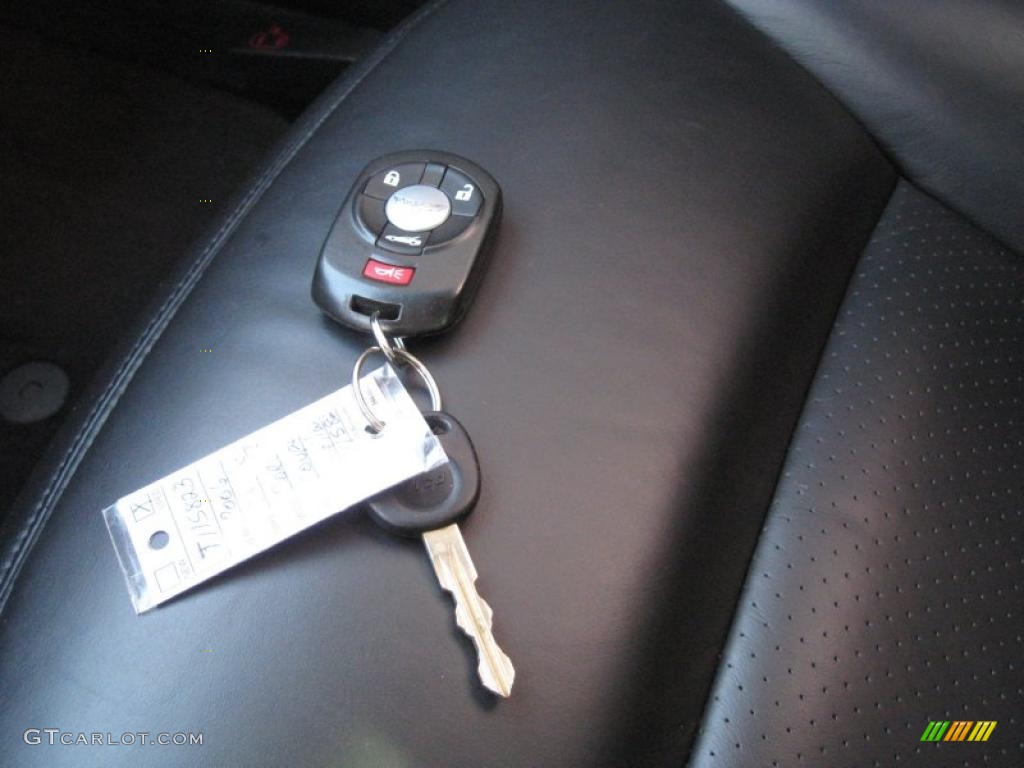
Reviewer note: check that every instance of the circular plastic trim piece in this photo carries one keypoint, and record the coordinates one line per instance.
(32, 392)
(418, 208)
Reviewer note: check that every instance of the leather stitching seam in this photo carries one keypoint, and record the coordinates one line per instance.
(31, 528)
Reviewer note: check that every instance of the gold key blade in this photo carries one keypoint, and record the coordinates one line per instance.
(456, 574)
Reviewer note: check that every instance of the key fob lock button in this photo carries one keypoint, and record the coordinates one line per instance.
(386, 183)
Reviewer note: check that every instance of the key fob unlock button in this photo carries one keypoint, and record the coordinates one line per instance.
(463, 192)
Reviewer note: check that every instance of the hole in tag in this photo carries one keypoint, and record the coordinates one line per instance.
(159, 540)
(437, 426)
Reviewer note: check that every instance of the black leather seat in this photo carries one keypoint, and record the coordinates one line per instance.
(939, 87)
(684, 208)
(885, 590)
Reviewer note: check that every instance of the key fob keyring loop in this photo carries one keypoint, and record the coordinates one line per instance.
(405, 358)
(387, 346)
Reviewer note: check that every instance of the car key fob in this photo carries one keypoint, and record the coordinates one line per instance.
(410, 244)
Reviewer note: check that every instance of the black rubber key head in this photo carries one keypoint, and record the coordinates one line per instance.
(436, 498)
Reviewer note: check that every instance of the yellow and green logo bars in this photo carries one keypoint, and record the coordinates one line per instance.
(958, 730)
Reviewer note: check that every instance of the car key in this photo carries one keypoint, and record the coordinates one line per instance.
(430, 505)
(410, 244)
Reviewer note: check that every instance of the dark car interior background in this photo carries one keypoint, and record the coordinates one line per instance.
(744, 373)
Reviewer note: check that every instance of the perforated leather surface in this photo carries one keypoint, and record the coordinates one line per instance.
(683, 209)
(885, 591)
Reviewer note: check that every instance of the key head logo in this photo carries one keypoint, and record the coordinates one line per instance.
(428, 489)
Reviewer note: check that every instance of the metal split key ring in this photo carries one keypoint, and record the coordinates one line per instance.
(404, 357)
(388, 346)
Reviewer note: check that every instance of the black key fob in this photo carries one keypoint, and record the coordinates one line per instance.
(410, 244)
(438, 497)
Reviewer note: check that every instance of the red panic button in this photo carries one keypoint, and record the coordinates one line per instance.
(388, 273)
